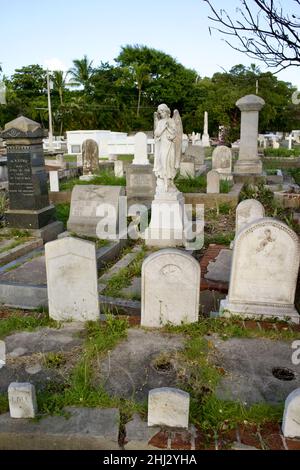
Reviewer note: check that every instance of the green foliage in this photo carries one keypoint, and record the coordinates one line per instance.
(79, 390)
(54, 360)
(3, 403)
(223, 238)
(258, 192)
(106, 178)
(281, 152)
(62, 212)
(191, 184)
(225, 186)
(3, 203)
(28, 323)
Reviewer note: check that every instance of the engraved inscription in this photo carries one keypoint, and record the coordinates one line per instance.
(170, 269)
(20, 176)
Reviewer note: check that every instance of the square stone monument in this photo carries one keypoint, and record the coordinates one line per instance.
(248, 162)
(29, 206)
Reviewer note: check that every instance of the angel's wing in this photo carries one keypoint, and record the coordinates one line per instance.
(178, 140)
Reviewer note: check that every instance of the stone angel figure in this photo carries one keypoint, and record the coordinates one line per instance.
(168, 134)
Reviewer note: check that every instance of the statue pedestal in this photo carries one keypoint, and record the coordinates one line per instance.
(166, 228)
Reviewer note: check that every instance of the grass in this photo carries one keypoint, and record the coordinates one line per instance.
(105, 178)
(62, 212)
(24, 323)
(126, 158)
(225, 186)
(200, 377)
(124, 276)
(191, 184)
(222, 238)
(20, 236)
(98, 242)
(3, 403)
(281, 152)
(80, 389)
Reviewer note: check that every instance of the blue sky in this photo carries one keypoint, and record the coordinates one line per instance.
(52, 33)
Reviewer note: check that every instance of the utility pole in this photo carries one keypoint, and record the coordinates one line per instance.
(50, 136)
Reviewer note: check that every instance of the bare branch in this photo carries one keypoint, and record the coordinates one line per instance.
(262, 31)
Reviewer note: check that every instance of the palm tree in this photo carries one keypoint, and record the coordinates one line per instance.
(141, 75)
(82, 73)
(59, 79)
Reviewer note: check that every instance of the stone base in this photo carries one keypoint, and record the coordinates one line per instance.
(30, 219)
(49, 232)
(259, 311)
(166, 228)
(246, 167)
(140, 184)
(249, 179)
(86, 177)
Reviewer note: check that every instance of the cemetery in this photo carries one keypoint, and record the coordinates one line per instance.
(149, 267)
(153, 331)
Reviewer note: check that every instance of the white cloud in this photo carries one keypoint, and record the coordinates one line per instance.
(55, 64)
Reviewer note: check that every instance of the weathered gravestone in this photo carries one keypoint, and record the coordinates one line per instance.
(22, 400)
(29, 206)
(187, 169)
(213, 182)
(72, 280)
(170, 288)
(248, 211)
(222, 161)
(90, 157)
(168, 407)
(119, 169)
(90, 206)
(140, 184)
(291, 416)
(54, 181)
(197, 152)
(140, 149)
(264, 272)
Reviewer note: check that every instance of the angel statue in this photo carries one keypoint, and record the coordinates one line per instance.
(168, 146)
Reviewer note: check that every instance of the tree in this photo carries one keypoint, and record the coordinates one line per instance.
(30, 81)
(82, 73)
(262, 30)
(59, 80)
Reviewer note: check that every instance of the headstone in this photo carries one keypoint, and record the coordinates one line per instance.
(72, 280)
(29, 206)
(140, 184)
(119, 169)
(222, 160)
(140, 149)
(248, 161)
(168, 407)
(213, 182)
(22, 400)
(248, 211)
(90, 157)
(187, 169)
(170, 288)
(185, 143)
(291, 416)
(205, 136)
(197, 152)
(2, 354)
(90, 204)
(290, 142)
(264, 272)
(54, 181)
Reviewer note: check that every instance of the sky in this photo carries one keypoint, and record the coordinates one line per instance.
(52, 33)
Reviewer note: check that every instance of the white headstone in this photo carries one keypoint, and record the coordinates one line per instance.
(205, 136)
(291, 416)
(90, 157)
(222, 159)
(119, 168)
(264, 272)
(170, 288)
(22, 400)
(72, 280)
(54, 181)
(2, 354)
(248, 211)
(168, 407)
(187, 169)
(140, 149)
(92, 204)
(213, 182)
